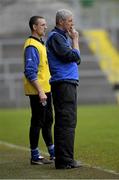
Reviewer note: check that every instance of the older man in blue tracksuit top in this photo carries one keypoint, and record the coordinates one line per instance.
(64, 57)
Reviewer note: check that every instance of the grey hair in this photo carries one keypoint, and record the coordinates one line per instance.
(62, 14)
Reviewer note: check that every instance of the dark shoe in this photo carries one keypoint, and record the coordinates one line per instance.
(74, 164)
(40, 161)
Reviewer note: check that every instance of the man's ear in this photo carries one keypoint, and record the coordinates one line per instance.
(34, 27)
(61, 22)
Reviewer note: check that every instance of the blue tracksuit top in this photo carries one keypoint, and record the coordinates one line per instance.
(63, 59)
(32, 60)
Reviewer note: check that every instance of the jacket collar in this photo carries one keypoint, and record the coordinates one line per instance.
(40, 40)
(60, 31)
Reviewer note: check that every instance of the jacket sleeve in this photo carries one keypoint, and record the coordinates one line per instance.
(32, 60)
(62, 48)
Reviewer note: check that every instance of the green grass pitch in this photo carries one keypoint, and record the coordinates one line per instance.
(96, 144)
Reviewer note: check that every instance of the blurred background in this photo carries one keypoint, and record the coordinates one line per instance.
(98, 24)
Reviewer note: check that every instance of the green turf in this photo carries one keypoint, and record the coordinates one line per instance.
(14, 126)
(97, 135)
(14, 164)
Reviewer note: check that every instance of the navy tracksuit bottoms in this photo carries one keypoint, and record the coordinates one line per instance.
(65, 107)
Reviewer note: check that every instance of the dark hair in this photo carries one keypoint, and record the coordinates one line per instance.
(33, 20)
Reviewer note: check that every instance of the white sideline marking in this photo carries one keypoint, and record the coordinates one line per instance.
(27, 149)
(18, 147)
(102, 169)
(14, 146)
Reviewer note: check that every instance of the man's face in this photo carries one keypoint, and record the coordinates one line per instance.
(67, 24)
(40, 27)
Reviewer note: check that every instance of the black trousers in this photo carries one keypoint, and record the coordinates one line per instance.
(65, 106)
(42, 118)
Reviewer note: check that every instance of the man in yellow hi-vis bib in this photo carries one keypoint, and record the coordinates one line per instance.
(37, 87)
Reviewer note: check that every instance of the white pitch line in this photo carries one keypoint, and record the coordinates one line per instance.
(102, 169)
(14, 146)
(27, 149)
(18, 147)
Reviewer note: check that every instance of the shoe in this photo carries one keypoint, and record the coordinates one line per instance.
(74, 164)
(52, 158)
(40, 161)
